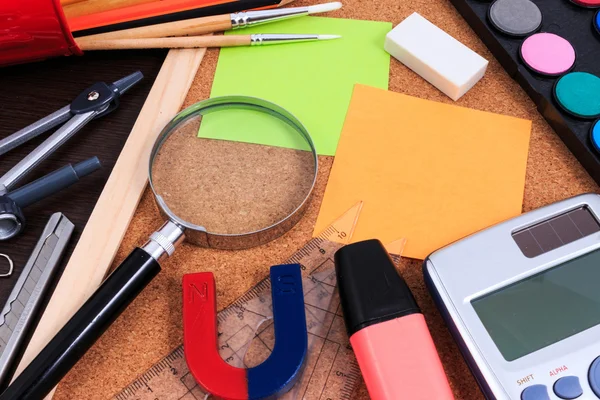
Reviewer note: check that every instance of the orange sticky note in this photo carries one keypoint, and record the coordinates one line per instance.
(428, 172)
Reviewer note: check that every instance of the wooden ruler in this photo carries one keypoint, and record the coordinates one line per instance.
(246, 334)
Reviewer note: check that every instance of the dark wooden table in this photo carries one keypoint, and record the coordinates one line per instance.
(30, 92)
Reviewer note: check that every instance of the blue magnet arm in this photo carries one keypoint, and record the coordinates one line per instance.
(282, 369)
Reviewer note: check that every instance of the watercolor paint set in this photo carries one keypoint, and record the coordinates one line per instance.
(552, 49)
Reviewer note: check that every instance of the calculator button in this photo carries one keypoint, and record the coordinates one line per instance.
(535, 392)
(594, 376)
(568, 387)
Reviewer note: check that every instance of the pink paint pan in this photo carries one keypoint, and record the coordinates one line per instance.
(548, 54)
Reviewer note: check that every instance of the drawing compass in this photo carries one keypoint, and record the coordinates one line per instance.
(94, 102)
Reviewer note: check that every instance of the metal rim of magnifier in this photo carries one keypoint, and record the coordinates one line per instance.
(197, 234)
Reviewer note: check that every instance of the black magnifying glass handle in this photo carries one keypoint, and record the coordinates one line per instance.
(93, 318)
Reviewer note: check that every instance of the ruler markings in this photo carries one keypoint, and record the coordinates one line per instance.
(330, 369)
(166, 379)
(312, 372)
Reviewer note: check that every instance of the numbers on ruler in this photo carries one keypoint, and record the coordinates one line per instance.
(239, 312)
(340, 374)
(342, 235)
(322, 295)
(313, 324)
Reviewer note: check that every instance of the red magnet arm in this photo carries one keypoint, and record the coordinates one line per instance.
(200, 336)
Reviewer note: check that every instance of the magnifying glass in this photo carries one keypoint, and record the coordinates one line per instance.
(230, 172)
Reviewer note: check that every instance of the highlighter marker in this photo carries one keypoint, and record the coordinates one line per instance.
(387, 331)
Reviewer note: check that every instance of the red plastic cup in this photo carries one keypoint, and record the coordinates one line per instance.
(33, 30)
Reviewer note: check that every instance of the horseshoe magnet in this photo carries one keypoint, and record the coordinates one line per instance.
(278, 373)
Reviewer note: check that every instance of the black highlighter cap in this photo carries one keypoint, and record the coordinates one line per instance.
(371, 289)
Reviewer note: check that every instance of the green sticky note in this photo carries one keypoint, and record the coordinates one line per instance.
(314, 80)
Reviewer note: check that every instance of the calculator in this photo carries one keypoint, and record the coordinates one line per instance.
(522, 300)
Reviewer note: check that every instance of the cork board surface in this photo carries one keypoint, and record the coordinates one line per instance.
(152, 326)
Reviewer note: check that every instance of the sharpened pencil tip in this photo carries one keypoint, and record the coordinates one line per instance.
(329, 37)
(326, 7)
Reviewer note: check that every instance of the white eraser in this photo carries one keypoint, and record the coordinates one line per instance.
(442, 60)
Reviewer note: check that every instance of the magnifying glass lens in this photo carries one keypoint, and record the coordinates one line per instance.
(233, 170)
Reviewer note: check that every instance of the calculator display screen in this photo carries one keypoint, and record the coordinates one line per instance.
(543, 309)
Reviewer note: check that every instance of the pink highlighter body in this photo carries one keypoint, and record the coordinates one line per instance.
(388, 333)
(398, 360)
